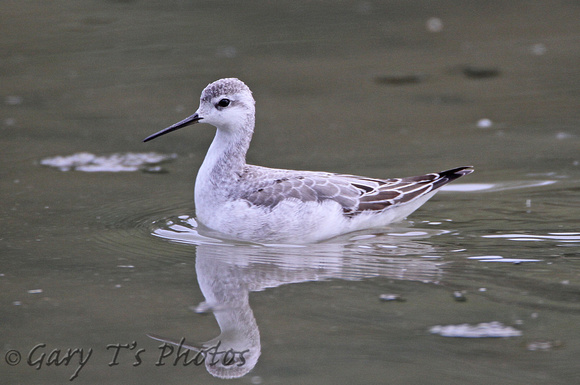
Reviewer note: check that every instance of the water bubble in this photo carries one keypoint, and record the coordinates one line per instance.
(434, 24)
(391, 298)
(13, 100)
(459, 296)
(227, 52)
(538, 49)
(484, 123)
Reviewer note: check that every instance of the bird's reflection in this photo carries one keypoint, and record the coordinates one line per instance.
(228, 272)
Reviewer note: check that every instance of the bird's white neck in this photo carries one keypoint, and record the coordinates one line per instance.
(226, 157)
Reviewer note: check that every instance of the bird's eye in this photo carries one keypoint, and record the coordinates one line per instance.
(223, 103)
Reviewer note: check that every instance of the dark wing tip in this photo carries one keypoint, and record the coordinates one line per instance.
(450, 175)
(455, 173)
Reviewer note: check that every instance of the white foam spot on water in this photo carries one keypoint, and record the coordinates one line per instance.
(563, 136)
(538, 49)
(13, 100)
(434, 24)
(119, 162)
(482, 330)
(484, 123)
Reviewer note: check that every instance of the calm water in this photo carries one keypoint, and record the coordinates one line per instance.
(99, 260)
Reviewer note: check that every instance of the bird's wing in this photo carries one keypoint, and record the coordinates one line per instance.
(382, 193)
(304, 186)
(354, 193)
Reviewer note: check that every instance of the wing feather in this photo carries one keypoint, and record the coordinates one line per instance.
(268, 187)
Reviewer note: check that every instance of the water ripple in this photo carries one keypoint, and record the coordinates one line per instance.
(563, 239)
(494, 187)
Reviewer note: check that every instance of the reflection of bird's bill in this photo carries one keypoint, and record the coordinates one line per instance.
(178, 343)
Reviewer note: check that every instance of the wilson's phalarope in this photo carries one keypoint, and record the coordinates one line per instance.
(269, 205)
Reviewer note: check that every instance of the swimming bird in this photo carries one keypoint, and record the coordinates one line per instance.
(267, 205)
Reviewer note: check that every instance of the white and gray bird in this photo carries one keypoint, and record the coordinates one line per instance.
(267, 205)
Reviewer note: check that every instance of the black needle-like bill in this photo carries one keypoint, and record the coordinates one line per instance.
(185, 122)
